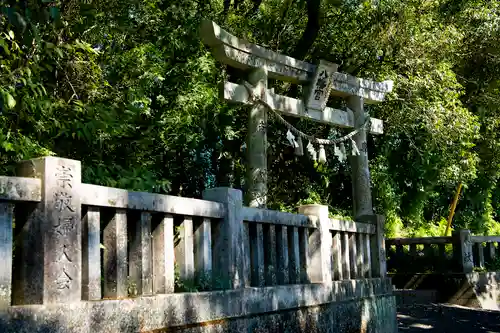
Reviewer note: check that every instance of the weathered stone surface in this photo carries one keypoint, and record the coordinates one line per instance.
(238, 53)
(462, 251)
(257, 255)
(230, 250)
(91, 251)
(345, 305)
(490, 251)
(351, 226)
(288, 106)
(94, 195)
(140, 270)
(214, 35)
(373, 92)
(377, 252)
(282, 254)
(361, 183)
(20, 189)
(478, 250)
(353, 255)
(256, 140)
(320, 85)
(338, 272)
(259, 215)
(346, 268)
(49, 255)
(294, 254)
(484, 239)
(115, 256)
(360, 255)
(418, 241)
(384, 87)
(305, 261)
(248, 61)
(367, 262)
(184, 250)
(6, 221)
(319, 267)
(203, 251)
(270, 258)
(163, 256)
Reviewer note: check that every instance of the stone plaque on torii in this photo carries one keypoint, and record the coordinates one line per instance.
(320, 80)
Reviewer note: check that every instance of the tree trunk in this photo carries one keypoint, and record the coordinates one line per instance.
(311, 32)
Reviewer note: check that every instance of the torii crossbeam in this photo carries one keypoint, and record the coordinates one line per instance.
(321, 80)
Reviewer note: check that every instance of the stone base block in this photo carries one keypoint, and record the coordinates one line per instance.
(345, 306)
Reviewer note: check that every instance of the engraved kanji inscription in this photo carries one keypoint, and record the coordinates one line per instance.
(64, 176)
(63, 201)
(321, 85)
(65, 224)
(64, 280)
(64, 255)
(467, 257)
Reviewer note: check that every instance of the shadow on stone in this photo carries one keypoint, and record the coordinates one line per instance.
(26, 323)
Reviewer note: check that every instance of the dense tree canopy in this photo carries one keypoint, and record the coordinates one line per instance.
(128, 88)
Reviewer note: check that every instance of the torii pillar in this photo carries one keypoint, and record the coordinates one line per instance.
(360, 171)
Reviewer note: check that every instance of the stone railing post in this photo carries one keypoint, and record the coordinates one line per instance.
(48, 257)
(462, 251)
(378, 253)
(6, 239)
(231, 260)
(319, 250)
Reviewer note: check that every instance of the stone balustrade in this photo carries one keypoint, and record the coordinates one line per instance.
(79, 257)
(459, 253)
(76, 241)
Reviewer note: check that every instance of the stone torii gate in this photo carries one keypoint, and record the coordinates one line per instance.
(320, 81)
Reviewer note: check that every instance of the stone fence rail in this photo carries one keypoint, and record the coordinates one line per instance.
(459, 253)
(63, 241)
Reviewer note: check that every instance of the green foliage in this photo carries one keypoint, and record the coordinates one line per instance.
(202, 282)
(128, 88)
(493, 265)
(313, 198)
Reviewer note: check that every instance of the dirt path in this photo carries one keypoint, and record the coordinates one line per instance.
(447, 319)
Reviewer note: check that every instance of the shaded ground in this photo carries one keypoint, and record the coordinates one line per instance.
(436, 318)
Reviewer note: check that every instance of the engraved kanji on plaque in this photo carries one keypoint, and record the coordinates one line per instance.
(64, 176)
(64, 280)
(64, 255)
(63, 201)
(321, 83)
(65, 224)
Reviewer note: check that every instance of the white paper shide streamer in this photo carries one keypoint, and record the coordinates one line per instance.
(292, 133)
(312, 151)
(322, 154)
(291, 138)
